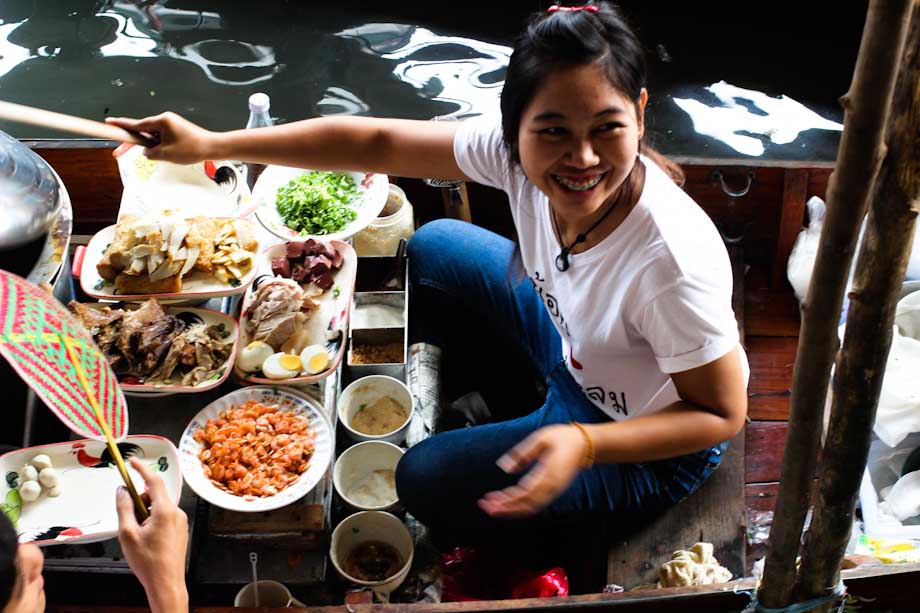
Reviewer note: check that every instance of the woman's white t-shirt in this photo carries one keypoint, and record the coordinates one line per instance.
(652, 298)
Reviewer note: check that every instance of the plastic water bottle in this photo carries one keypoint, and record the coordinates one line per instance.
(258, 118)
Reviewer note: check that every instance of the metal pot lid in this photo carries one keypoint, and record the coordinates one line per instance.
(29, 193)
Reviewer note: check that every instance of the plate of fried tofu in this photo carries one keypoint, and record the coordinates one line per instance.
(170, 257)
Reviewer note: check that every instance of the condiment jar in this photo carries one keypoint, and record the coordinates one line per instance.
(396, 221)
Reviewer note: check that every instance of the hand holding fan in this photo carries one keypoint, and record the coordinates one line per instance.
(55, 355)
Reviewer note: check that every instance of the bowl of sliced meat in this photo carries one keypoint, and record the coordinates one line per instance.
(162, 349)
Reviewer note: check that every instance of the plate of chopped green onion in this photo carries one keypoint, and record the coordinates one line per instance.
(294, 203)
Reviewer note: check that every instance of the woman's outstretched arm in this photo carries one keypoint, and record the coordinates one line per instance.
(399, 147)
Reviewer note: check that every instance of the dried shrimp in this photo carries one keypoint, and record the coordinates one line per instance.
(254, 449)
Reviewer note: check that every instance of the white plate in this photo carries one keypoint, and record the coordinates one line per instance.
(207, 317)
(372, 195)
(85, 510)
(327, 326)
(193, 471)
(196, 285)
(151, 186)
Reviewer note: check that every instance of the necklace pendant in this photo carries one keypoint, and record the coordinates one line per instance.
(562, 260)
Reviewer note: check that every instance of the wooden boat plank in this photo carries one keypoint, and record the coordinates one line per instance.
(875, 588)
(764, 441)
(714, 513)
(792, 212)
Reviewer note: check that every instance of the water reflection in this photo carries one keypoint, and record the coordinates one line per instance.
(743, 118)
(464, 72)
(203, 58)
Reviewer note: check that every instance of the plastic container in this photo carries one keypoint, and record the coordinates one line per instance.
(259, 104)
(396, 221)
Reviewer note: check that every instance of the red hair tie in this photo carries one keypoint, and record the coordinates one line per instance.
(591, 8)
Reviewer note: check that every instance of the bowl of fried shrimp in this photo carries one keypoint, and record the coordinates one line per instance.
(256, 449)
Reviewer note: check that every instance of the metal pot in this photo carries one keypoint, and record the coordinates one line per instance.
(29, 193)
(37, 216)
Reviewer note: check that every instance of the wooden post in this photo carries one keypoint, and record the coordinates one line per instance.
(866, 108)
(880, 269)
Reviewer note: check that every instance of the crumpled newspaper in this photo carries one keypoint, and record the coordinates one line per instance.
(695, 566)
(424, 382)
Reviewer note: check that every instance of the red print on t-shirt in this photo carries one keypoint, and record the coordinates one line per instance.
(575, 363)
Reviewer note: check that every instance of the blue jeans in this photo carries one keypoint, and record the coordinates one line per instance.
(440, 479)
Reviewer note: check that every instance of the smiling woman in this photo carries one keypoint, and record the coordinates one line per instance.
(626, 308)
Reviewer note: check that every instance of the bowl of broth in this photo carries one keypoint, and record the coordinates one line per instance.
(372, 549)
(376, 408)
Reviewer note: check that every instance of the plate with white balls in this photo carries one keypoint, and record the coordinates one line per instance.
(65, 492)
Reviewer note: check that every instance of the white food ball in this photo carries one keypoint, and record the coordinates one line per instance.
(253, 355)
(315, 359)
(49, 477)
(30, 491)
(41, 462)
(28, 473)
(282, 366)
(55, 491)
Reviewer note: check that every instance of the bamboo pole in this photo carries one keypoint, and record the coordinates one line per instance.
(880, 269)
(861, 149)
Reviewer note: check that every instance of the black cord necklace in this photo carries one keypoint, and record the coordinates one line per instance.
(562, 260)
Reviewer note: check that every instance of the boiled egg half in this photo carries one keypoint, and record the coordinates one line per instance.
(314, 359)
(281, 366)
(253, 355)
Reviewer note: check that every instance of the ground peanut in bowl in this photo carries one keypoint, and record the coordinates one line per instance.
(389, 353)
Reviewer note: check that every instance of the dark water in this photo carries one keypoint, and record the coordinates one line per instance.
(203, 58)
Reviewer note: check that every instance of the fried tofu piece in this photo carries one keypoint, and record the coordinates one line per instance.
(141, 284)
(202, 233)
(117, 257)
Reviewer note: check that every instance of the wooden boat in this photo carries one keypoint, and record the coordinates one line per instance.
(761, 226)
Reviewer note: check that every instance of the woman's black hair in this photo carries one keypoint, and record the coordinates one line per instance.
(563, 39)
(8, 550)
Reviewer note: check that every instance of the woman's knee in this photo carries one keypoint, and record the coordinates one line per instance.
(433, 238)
(410, 471)
(413, 477)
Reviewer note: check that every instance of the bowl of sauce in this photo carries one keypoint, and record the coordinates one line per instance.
(372, 549)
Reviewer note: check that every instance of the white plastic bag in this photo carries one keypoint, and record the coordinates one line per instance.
(903, 501)
(898, 412)
(899, 403)
(802, 257)
(801, 261)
